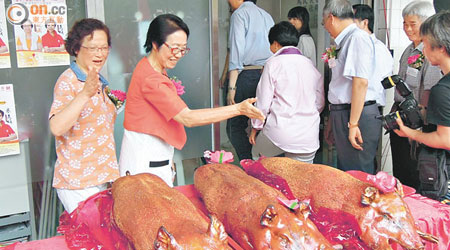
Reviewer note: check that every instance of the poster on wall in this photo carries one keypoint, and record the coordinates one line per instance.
(40, 27)
(5, 61)
(9, 138)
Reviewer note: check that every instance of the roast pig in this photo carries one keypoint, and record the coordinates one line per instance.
(251, 213)
(381, 216)
(154, 216)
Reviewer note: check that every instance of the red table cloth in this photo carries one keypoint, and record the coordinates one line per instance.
(431, 217)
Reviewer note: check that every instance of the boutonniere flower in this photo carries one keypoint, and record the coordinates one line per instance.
(329, 56)
(416, 61)
(178, 85)
(117, 97)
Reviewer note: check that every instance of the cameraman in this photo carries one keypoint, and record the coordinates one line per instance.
(435, 33)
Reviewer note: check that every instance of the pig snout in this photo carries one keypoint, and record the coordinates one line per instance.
(292, 231)
(215, 239)
(389, 219)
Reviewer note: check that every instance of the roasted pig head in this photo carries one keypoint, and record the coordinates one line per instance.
(388, 218)
(154, 216)
(382, 217)
(251, 212)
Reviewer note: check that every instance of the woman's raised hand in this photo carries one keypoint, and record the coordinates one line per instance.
(246, 108)
(92, 84)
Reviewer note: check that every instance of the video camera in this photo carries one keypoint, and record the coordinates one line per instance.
(408, 109)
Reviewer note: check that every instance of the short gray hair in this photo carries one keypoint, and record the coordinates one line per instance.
(437, 30)
(341, 9)
(421, 9)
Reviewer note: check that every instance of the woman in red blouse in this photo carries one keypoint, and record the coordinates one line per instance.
(155, 116)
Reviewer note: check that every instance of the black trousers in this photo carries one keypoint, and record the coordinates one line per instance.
(350, 158)
(403, 166)
(236, 127)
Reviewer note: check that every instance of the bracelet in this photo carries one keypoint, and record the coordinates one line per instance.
(231, 88)
(349, 125)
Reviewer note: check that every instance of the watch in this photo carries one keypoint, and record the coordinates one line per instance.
(349, 125)
(231, 88)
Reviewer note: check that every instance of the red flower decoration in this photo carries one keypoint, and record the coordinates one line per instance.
(416, 61)
(117, 97)
(178, 85)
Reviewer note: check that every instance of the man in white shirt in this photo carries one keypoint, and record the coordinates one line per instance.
(384, 63)
(353, 107)
(364, 19)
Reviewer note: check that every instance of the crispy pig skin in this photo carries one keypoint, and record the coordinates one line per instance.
(386, 217)
(239, 201)
(144, 202)
(323, 184)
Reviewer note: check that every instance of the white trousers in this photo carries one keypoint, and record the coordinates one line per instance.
(71, 197)
(142, 153)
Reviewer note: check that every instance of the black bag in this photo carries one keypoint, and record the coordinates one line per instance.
(433, 173)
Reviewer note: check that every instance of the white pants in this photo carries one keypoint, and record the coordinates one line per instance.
(71, 197)
(142, 153)
(265, 147)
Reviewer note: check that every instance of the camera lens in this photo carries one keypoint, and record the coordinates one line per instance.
(389, 122)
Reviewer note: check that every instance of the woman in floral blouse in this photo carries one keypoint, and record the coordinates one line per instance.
(82, 118)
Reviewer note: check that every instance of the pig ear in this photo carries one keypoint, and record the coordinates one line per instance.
(216, 229)
(304, 210)
(164, 240)
(369, 195)
(268, 216)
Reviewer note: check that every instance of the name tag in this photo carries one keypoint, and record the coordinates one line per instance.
(332, 63)
(412, 72)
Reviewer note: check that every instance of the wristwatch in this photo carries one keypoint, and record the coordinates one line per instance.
(349, 125)
(231, 88)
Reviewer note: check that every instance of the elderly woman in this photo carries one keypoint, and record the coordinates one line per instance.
(155, 115)
(299, 17)
(28, 40)
(82, 118)
(420, 76)
(290, 92)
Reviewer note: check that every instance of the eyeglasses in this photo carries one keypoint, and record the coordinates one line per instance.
(94, 50)
(176, 50)
(324, 20)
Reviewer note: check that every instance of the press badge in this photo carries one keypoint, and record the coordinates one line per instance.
(412, 72)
